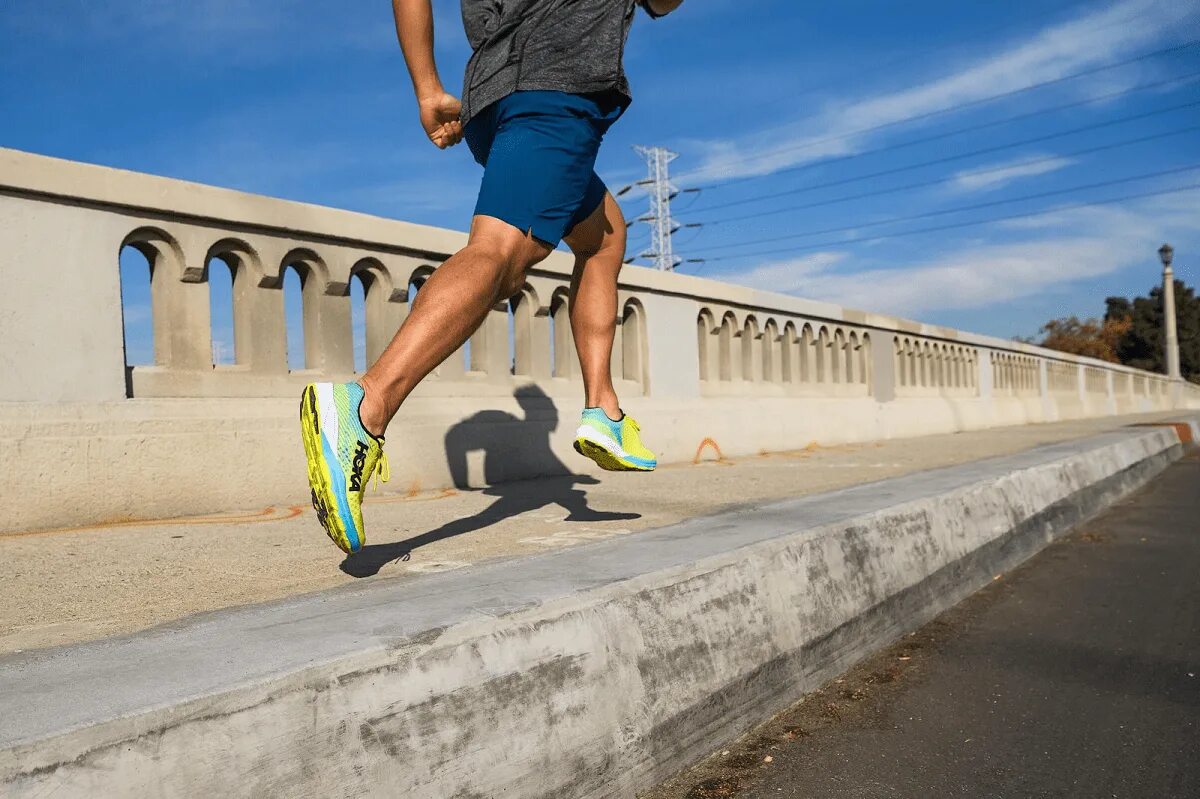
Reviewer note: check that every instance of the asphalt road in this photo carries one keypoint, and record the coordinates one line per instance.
(1078, 675)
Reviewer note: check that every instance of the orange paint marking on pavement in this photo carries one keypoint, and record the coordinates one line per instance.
(708, 442)
(267, 514)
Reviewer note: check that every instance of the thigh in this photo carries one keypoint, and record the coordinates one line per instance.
(540, 167)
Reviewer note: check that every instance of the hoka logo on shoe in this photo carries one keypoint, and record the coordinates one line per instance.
(360, 460)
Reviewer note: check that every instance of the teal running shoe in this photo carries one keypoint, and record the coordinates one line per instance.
(342, 457)
(615, 446)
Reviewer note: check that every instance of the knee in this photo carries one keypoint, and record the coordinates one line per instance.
(518, 264)
(511, 257)
(599, 237)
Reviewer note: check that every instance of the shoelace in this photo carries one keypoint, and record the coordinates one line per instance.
(381, 472)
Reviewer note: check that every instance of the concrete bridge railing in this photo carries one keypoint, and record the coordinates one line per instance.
(691, 352)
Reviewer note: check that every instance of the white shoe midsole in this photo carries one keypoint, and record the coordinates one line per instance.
(593, 435)
(327, 412)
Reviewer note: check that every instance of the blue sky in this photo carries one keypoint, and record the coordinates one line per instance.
(309, 100)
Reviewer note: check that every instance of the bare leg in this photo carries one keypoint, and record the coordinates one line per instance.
(450, 307)
(599, 246)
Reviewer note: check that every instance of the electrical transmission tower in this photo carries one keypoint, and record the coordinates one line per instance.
(658, 186)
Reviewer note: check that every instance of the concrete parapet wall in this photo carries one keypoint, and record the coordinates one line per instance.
(699, 359)
(152, 459)
(585, 673)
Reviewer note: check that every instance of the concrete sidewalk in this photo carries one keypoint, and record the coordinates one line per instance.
(72, 585)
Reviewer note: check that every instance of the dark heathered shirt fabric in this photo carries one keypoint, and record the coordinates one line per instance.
(573, 46)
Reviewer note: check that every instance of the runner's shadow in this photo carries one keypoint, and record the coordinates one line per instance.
(514, 451)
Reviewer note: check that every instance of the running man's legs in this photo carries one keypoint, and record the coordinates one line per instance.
(598, 243)
(449, 308)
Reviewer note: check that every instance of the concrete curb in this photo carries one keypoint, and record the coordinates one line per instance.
(590, 672)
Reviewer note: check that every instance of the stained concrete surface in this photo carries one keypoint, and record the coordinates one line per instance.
(1077, 675)
(72, 585)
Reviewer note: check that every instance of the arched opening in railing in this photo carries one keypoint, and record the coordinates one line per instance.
(837, 356)
(358, 320)
(821, 356)
(137, 307)
(725, 346)
(853, 369)
(382, 311)
(864, 360)
(233, 272)
(633, 342)
(294, 278)
(770, 352)
(560, 335)
(788, 354)
(750, 342)
(220, 276)
(704, 333)
(806, 355)
(160, 325)
(522, 309)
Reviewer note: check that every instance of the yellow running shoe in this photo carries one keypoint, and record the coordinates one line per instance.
(342, 457)
(615, 446)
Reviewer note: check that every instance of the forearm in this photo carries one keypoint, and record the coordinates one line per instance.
(661, 7)
(414, 29)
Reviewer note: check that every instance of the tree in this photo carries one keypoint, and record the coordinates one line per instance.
(1142, 345)
(1092, 338)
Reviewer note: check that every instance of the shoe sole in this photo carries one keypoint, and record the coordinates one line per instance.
(320, 482)
(604, 457)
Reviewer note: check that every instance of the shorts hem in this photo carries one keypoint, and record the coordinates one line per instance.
(545, 232)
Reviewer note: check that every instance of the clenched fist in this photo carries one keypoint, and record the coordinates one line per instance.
(440, 118)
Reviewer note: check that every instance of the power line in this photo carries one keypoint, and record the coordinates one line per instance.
(927, 183)
(961, 209)
(1184, 79)
(959, 157)
(885, 65)
(953, 226)
(951, 108)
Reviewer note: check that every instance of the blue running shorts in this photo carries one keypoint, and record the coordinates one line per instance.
(538, 150)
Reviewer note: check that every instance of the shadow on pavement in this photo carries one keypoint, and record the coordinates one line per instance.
(514, 451)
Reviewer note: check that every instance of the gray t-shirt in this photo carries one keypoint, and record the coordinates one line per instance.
(571, 46)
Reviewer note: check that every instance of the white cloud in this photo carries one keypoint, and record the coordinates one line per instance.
(998, 175)
(1089, 40)
(1070, 246)
(793, 276)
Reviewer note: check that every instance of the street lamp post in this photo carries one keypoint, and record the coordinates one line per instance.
(1167, 253)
